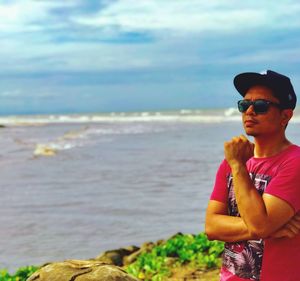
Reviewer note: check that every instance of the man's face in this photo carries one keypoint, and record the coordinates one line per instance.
(266, 124)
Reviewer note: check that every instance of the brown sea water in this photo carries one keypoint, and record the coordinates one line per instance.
(111, 183)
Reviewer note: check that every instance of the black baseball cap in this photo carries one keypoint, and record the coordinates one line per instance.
(280, 85)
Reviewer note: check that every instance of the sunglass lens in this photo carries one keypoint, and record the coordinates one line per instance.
(243, 105)
(261, 106)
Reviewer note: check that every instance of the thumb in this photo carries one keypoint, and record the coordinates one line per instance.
(252, 146)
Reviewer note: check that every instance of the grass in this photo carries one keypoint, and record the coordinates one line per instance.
(179, 255)
(193, 251)
(20, 275)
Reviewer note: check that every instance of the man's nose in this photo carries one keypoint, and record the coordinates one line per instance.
(250, 110)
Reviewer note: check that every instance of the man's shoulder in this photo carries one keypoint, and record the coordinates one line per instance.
(293, 151)
(291, 157)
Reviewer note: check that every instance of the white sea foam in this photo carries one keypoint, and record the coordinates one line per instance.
(51, 148)
(68, 140)
(172, 116)
(122, 130)
(231, 112)
(184, 115)
(186, 111)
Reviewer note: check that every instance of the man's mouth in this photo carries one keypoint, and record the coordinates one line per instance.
(250, 122)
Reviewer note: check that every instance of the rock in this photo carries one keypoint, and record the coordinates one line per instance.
(44, 150)
(116, 257)
(78, 270)
(124, 256)
(146, 247)
(2, 126)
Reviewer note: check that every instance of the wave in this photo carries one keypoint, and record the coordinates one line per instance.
(67, 141)
(184, 115)
(51, 148)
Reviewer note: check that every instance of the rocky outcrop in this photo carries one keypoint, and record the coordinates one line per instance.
(78, 270)
(105, 267)
(110, 265)
(44, 150)
(124, 256)
(118, 257)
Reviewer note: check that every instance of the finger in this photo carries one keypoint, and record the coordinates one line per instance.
(295, 223)
(235, 139)
(292, 228)
(227, 144)
(238, 139)
(283, 233)
(297, 217)
(243, 138)
(290, 234)
(252, 146)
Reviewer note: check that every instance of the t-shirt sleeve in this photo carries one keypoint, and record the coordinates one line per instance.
(220, 191)
(286, 184)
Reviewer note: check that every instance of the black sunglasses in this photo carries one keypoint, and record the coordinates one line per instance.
(259, 106)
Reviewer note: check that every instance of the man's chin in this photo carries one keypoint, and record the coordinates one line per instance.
(251, 133)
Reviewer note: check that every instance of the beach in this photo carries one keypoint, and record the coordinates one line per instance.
(73, 186)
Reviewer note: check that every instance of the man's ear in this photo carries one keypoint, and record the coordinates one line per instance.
(287, 114)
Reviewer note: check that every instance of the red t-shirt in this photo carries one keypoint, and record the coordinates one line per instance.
(271, 259)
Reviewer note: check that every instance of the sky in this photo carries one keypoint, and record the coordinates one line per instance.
(78, 56)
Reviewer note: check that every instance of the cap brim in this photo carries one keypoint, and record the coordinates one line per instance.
(244, 81)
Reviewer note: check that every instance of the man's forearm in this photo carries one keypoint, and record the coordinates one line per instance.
(263, 215)
(226, 228)
(250, 203)
(220, 226)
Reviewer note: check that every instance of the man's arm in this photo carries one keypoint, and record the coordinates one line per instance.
(262, 215)
(290, 229)
(220, 226)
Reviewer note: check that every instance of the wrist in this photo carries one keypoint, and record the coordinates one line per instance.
(237, 166)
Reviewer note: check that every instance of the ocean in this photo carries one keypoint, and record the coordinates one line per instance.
(73, 186)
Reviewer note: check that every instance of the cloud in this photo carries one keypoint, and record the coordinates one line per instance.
(148, 15)
(290, 55)
(26, 92)
(179, 16)
(10, 94)
(53, 49)
(190, 16)
(58, 36)
(28, 16)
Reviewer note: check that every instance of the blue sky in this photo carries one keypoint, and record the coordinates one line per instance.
(138, 55)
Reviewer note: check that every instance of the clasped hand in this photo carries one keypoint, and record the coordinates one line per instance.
(290, 229)
(238, 150)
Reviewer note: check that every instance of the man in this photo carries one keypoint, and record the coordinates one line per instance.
(256, 197)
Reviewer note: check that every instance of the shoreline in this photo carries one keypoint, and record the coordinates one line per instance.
(179, 257)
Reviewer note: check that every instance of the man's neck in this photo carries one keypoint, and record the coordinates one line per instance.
(270, 147)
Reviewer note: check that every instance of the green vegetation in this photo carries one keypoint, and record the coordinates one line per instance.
(160, 261)
(193, 250)
(20, 275)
